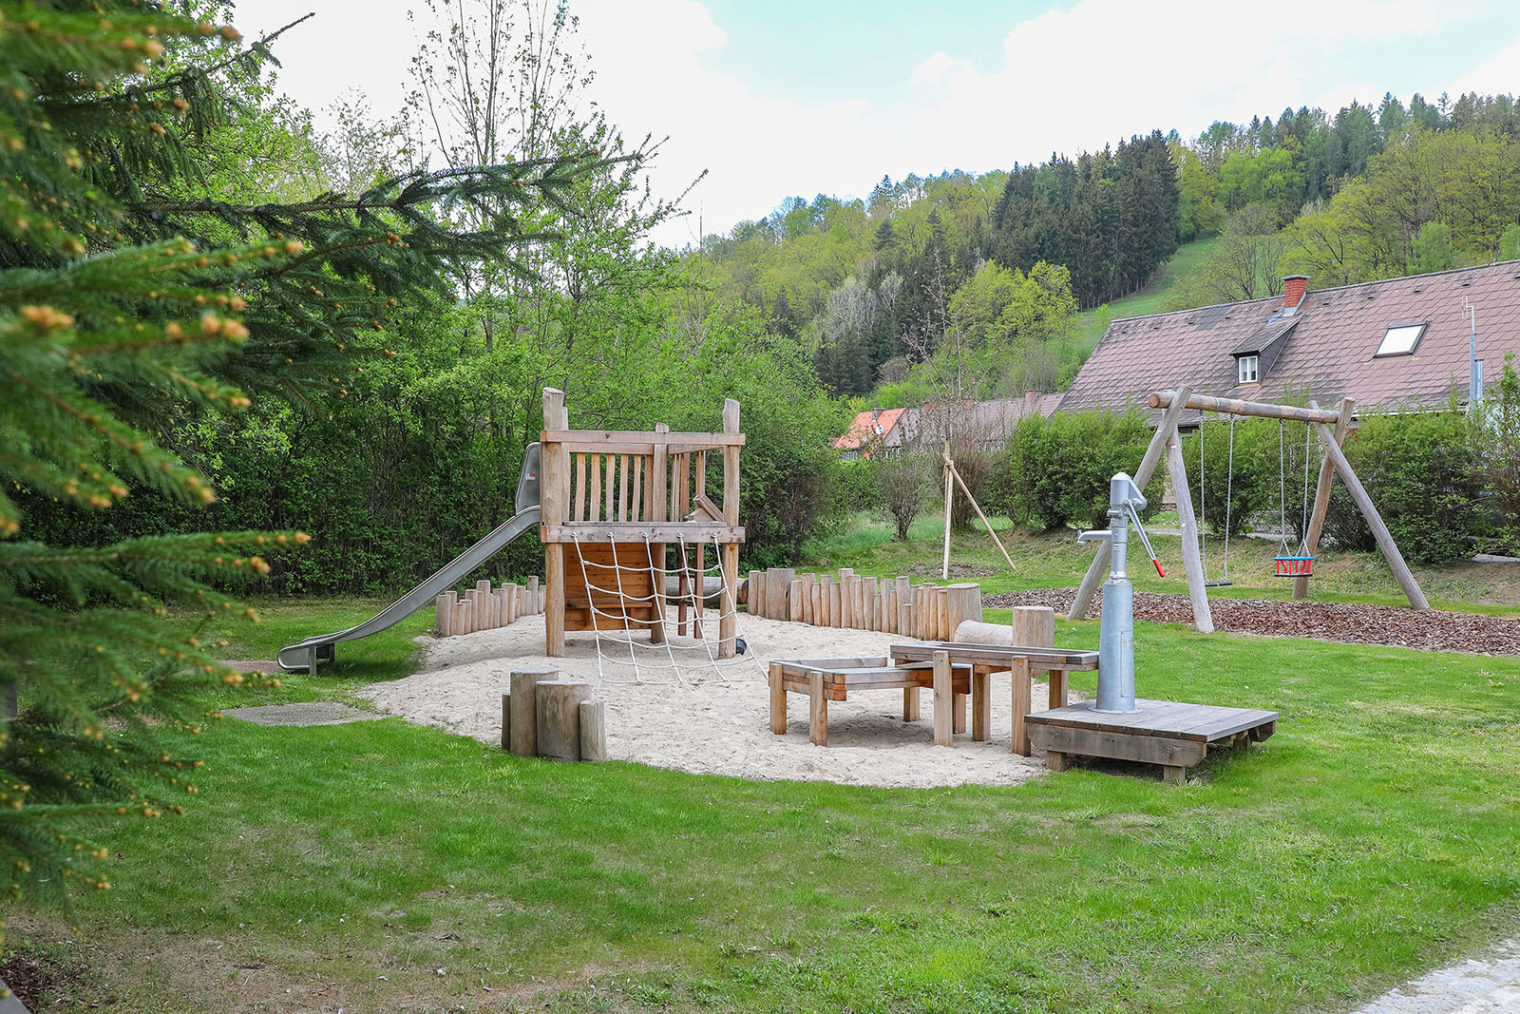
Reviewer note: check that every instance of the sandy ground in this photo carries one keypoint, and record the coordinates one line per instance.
(713, 719)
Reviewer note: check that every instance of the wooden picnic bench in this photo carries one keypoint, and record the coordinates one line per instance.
(831, 679)
(985, 659)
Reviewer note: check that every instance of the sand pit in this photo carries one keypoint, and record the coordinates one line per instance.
(712, 724)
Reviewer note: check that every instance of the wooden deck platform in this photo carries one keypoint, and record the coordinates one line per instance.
(1174, 735)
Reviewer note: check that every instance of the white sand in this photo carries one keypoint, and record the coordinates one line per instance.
(708, 723)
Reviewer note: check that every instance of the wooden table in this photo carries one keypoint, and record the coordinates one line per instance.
(986, 659)
(831, 679)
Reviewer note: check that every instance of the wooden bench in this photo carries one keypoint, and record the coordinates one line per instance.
(1019, 660)
(831, 679)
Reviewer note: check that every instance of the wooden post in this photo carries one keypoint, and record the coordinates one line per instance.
(1035, 627)
(559, 718)
(523, 719)
(1192, 562)
(949, 492)
(1322, 493)
(795, 598)
(486, 603)
(981, 701)
(778, 581)
(816, 599)
(506, 721)
(808, 582)
(977, 507)
(1390, 549)
(836, 604)
(1019, 742)
(962, 602)
(728, 554)
(818, 711)
(554, 495)
(755, 601)
(778, 700)
(905, 606)
(943, 686)
(535, 602)
(443, 620)
(866, 599)
(659, 492)
(461, 624)
(889, 605)
(910, 704)
(593, 720)
(942, 629)
(1097, 570)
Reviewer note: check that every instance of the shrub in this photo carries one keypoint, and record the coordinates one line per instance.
(902, 482)
(1419, 471)
(1265, 480)
(857, 488)
(1494, 434)
(1059, 468)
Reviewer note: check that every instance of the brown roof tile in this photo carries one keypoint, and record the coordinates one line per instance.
(1329, 352)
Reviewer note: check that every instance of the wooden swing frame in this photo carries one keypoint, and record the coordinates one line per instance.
(1166, 441)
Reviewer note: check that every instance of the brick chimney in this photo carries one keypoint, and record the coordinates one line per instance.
(1295, 287)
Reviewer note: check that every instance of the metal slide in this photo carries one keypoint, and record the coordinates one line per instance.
(313, 650)
(321, 648)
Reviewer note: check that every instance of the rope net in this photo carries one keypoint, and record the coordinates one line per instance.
(626, 655)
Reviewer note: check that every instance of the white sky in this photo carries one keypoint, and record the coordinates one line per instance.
(748, 107)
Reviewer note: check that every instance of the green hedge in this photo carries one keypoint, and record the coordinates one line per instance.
(1058, 469)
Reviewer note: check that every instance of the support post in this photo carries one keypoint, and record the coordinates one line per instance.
(554, 495)
(944, 720)
(944, 574)
(1192, 562)
(728, 555)
(1322, 494)
(1390, 549)
(1098, 569)
(593, 730)
(523, 705)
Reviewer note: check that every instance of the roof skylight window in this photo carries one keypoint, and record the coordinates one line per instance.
(1400, 340)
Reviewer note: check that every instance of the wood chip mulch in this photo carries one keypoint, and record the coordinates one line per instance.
(1351, 624)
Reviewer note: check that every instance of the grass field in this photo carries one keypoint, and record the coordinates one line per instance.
(384, 866)
(1151, 299)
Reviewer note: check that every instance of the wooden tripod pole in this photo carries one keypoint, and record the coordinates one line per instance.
(944, 573)
(976, 507)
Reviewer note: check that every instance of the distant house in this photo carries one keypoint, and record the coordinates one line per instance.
(1396, 344)
(979, 425)
(872, 434)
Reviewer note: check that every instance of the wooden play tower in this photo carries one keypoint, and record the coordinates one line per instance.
(613, 504)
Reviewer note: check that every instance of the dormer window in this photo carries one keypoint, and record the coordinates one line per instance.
(1400, 340)
(1246, 368)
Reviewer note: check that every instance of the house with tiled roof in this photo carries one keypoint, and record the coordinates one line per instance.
(872, 434)
(1398, 344)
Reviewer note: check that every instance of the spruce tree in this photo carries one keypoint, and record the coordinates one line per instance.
(130, 292)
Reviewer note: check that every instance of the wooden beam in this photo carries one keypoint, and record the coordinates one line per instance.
(1390, 549)
(1153, 453)
(554, 494)
(949, 492)
(634, 532)
(1322, 494)
(1192, 560)
(1235, 406)
(999, 542)
(615, 441)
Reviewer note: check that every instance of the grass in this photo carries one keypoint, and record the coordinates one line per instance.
(381, 866)
(1054, 560)
(1151, 299)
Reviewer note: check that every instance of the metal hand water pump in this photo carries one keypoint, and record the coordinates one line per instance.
(1116, 643)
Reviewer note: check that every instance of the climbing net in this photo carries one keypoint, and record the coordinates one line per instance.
(698, 651)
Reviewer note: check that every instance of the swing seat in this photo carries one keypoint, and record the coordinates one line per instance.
(1217, 584)
(1294, 566)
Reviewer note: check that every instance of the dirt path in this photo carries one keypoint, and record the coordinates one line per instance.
(1433, 630)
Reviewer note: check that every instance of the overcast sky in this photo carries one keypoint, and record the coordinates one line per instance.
(782, 97)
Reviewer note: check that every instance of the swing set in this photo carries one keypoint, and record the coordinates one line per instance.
(1329, 425)
(1288, 562)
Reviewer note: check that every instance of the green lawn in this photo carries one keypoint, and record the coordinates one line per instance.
(382, 866)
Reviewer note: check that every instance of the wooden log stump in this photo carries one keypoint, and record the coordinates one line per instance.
(523, 720)
(593, 716)
(904, 607)
(462, 617)
(826, 600)
(962, 602)
(755, 600)
(558, 723)
(836, 604)
(1035, 627)
(795, 600)
(809, 581)
(443, 620)
(944, 719)
(535, 598)
(815, 605)
(506, 721)
(777, 582)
